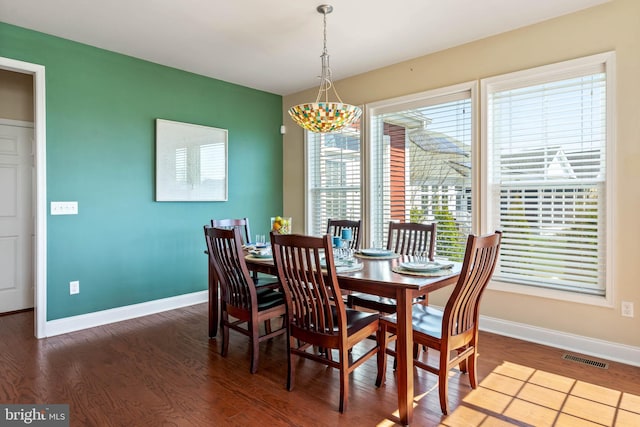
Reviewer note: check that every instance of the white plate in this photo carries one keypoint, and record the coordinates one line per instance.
(421, 266)
(375, 252)
(257, 254)
(338, 263)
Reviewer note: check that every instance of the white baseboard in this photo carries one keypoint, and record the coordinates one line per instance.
(576, 343)
(90, 320)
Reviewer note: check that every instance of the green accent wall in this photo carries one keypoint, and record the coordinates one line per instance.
(124, 247)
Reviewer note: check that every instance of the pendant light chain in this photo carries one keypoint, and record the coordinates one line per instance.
(326, 79)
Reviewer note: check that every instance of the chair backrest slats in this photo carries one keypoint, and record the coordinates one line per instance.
(229, 223)
(227, 257)
(462, 309)
(407, 237)
(335, 227)
(309, 294)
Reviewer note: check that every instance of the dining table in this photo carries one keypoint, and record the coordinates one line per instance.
(381, 276)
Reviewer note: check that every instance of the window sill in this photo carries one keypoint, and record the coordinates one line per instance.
(596, 300)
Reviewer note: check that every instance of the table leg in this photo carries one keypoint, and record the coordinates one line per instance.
(404, 356)
(213, 303)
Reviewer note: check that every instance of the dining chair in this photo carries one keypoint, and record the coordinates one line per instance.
(335, 227)
(315, 319)
(240, 299)
(454, 329)
(243, 224)
(405, 238)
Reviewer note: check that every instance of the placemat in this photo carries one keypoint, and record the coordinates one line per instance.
(259, 259)
(390, 256)
(443, 272)
(348, 269)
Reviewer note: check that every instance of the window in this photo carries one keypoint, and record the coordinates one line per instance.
(333, 180)
(541, 173)
(547, 169)
(421, 166)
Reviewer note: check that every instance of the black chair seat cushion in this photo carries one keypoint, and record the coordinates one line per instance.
(386, 305)
(356, 319)
(366, 300)
(268, 298)
(266, 281)
(426, 320)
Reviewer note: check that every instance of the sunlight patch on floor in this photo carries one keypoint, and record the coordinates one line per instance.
(519, 395)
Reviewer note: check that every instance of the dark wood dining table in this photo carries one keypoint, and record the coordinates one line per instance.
(377, 278)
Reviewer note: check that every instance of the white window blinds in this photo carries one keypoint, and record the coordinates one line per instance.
(334, 183)
(421, 168)
(547, 173)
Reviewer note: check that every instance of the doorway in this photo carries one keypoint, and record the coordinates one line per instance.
(17, 223)
(37, 264)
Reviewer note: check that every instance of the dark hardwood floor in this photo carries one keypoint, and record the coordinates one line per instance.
(162, 370)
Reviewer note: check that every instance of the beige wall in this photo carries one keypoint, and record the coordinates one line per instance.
(614, 26)
(16, 93)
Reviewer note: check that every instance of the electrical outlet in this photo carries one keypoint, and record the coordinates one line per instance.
(74, 287)
(627, 309)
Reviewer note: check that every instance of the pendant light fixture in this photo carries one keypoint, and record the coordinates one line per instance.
(323, 115)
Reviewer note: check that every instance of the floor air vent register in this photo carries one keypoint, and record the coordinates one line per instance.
(585, 361)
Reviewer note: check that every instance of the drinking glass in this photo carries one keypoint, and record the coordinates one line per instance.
(260, 240)
(349, 252)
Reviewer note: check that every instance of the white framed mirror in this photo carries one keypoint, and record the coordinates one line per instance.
(191, 162)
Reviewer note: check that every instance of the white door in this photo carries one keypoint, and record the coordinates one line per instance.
(16, 217)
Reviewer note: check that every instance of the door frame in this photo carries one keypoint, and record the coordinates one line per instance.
(39, 188)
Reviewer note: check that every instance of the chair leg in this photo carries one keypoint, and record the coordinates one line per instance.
(267, 326)
(471, 361)
(291, 361)
(416, 353)
(463, 363)
(255, 345)
(224, 325)
(443, 381)
(395, 359)
(381, 337)
(344, 379)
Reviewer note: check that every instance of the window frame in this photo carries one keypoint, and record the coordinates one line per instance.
(417, 100)
(531, 77)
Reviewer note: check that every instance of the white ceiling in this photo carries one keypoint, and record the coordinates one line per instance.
(275, 45)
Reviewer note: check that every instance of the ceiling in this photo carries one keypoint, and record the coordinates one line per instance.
(275, 46)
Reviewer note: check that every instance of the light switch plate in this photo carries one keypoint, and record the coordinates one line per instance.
(64, 208)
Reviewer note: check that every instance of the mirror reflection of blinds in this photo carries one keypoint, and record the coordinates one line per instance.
(548, 172)
(212, 162)
(421, 168)
(334, 181)
(181, 164)
(200, 163)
